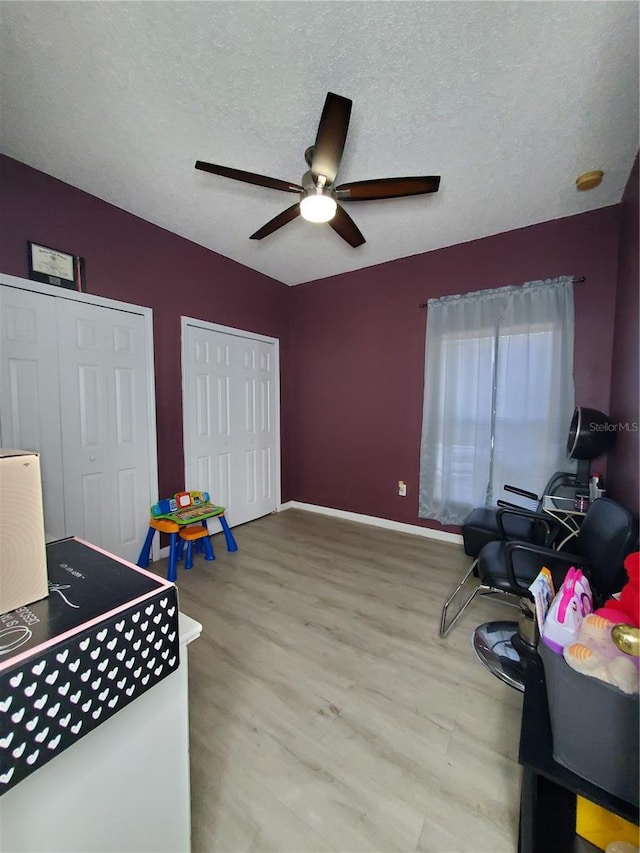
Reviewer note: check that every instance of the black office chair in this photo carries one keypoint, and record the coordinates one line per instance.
(608, 534)
(510, 522)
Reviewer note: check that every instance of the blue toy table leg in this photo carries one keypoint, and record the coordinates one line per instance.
(171, 565)
(208, 548)
(228, 535)
(145, 554)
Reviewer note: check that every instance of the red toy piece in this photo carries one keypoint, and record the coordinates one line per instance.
(626, 608)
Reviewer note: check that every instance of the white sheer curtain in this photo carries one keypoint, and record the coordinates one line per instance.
(498, 395)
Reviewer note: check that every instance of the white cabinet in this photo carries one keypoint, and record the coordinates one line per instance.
(76, 385)
(123, 788)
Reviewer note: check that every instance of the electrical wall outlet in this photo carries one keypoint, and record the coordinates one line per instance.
(402, 488)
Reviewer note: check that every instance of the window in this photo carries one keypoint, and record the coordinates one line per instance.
(498, 395)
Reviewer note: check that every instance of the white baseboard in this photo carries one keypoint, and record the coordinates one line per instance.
(387, 523)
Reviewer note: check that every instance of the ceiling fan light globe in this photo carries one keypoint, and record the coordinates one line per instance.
(318, 207)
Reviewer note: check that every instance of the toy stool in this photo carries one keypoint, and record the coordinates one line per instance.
(162, 525)
(191, 535)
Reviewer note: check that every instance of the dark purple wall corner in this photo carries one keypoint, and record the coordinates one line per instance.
(133, 261)
(624, 463)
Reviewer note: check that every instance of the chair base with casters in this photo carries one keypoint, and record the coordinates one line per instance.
(503, 647)
(493, 644)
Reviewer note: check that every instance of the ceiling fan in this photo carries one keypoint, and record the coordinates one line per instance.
(318, 196)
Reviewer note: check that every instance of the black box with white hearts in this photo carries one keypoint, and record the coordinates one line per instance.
(107, 633)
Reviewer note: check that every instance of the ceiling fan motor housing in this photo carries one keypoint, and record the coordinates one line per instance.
(317, 203)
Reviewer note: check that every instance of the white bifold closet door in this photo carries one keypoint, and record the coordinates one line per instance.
(30, 393)
(231, 418)
(74, 387)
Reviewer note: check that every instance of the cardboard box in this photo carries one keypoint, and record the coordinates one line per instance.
(594, 726)
(107, 633)
(23, 561)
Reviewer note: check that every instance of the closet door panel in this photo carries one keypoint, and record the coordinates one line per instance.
(230, 428)
(83, 342)
(105, 424)
(29, 399)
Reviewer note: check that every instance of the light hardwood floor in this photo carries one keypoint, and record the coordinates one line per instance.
(326, 713)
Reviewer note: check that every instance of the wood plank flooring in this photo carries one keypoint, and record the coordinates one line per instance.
(326, 714)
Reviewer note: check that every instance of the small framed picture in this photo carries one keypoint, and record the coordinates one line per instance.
(52, 266)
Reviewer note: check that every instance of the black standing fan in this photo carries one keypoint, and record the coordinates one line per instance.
(591, 434)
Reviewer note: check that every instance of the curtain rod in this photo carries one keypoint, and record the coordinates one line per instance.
(573, 281)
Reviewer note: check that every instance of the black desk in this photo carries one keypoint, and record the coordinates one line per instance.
(548, 792)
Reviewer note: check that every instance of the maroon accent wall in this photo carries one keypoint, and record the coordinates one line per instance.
(358, 340)
(624, 464)
(352, 346)
(134, 261)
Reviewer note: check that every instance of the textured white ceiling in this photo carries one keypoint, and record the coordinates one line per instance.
(507, 101)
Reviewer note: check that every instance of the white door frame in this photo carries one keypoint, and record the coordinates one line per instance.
(147, 314)
(239, 333)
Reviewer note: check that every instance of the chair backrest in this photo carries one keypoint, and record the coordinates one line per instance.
(561, 485)
(609, 533)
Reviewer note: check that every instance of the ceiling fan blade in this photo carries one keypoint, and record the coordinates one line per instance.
(344, 225)
(331, 136)
(277, 222)
(387, 188)
(249, 177)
